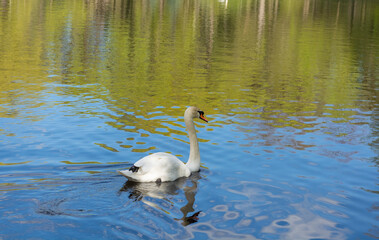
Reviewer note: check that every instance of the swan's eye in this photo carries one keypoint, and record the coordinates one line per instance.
(201, 113)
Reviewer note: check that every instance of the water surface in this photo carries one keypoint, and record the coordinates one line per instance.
(290, 89)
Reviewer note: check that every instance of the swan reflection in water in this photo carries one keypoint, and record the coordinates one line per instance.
(138, 192)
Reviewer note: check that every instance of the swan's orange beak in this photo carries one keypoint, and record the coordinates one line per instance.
(203, 118)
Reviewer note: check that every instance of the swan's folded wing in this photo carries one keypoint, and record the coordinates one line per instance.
(146, 164)
(163, 166)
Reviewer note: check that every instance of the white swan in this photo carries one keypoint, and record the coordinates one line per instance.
(164, 167)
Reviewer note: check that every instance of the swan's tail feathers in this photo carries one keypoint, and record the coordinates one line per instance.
(128, 174)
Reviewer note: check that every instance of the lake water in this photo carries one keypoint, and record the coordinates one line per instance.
(290, 89)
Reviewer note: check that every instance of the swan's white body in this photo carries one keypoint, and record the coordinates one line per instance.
(164, 167)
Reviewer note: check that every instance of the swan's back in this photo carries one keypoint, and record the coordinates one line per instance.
(157, 167)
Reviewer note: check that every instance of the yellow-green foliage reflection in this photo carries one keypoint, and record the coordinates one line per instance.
(227, 57)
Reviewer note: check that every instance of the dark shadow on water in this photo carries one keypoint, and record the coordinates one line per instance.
(53, 208)
(138, 192)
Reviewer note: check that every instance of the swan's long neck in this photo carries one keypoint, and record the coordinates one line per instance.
(194, 157)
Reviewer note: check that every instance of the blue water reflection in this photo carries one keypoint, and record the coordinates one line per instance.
(257, 180)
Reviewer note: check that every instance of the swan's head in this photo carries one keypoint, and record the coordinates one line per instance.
(194, 112)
